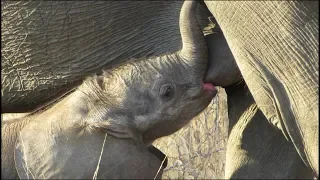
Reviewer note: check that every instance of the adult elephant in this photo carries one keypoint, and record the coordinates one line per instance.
(49, 47)
(275, 45)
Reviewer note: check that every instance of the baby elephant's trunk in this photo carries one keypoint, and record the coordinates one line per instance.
(193, 43)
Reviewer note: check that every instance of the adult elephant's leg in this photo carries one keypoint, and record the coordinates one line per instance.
(275, 44)
(47, 48)
(255, 148)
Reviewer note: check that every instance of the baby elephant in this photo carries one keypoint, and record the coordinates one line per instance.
(103, 128)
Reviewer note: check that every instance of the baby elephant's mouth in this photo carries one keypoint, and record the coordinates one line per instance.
(209, 87)
(202, 93)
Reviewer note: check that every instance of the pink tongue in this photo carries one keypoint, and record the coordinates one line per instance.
(208, 86)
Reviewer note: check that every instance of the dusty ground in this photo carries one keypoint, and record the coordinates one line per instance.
(198, 150)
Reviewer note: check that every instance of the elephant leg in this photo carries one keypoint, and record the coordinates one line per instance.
(255, 148)
(275, 45)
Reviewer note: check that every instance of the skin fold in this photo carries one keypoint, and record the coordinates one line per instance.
(133, 103)
(255, 148)
(275, 46)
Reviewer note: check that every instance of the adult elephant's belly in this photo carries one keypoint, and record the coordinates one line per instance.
(48, 48)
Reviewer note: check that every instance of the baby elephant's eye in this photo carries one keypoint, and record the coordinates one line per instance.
(167, 91)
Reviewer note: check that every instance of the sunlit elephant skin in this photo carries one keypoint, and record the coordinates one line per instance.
(275, 45)
(255, 148)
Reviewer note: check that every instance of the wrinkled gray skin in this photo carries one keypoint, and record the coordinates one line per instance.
(256, 149)
(48, 48)
(275, 45)
(140, 101)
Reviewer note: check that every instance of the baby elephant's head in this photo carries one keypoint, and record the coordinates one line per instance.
(148, 99)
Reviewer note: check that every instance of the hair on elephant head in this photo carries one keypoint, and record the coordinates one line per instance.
(132, 104)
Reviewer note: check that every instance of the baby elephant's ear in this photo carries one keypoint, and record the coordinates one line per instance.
(21, 154)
